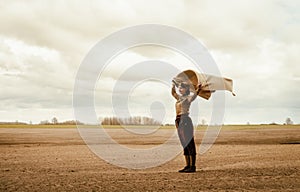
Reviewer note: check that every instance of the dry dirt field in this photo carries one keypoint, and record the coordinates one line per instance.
(56, 159)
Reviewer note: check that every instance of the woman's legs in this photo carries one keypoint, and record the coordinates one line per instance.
(190, 152)
(186, 135)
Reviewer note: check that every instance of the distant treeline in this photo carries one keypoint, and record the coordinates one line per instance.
(13, 123)
(137, 120)
(70, 122)
(45, 122)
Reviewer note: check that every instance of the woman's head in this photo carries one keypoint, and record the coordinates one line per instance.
(184, 89)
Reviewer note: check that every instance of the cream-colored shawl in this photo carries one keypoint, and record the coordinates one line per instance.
(209, 83)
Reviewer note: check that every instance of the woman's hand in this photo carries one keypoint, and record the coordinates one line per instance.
(174, 83)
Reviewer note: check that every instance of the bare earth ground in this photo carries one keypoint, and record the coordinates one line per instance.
(57, 159)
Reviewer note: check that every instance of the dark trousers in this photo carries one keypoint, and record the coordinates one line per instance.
(185, 132)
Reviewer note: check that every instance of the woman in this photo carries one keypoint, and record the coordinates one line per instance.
(184, 124)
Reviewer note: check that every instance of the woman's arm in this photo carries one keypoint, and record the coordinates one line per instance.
(175, 95)
(195, 94)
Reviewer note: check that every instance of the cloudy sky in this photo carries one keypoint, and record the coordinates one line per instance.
(255, 43)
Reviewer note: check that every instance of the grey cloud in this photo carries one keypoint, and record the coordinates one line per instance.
(236, 25)
(234, 30)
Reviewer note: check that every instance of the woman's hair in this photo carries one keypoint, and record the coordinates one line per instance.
(185, 86)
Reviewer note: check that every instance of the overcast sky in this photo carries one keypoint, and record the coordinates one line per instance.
(255, 43)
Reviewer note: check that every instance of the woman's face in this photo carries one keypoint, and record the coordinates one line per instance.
(182, 90)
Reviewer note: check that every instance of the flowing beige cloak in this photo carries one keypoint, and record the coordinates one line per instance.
(209, 83)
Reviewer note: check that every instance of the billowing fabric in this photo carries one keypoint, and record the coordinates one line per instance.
(209, 83)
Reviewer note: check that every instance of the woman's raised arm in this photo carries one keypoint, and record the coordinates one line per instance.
(175, 95)
(195, 93)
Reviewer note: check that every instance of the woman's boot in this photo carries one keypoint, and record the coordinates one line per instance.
(192, 168)
(188, 164)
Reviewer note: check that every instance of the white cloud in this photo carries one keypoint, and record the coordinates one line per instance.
(33, 76)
